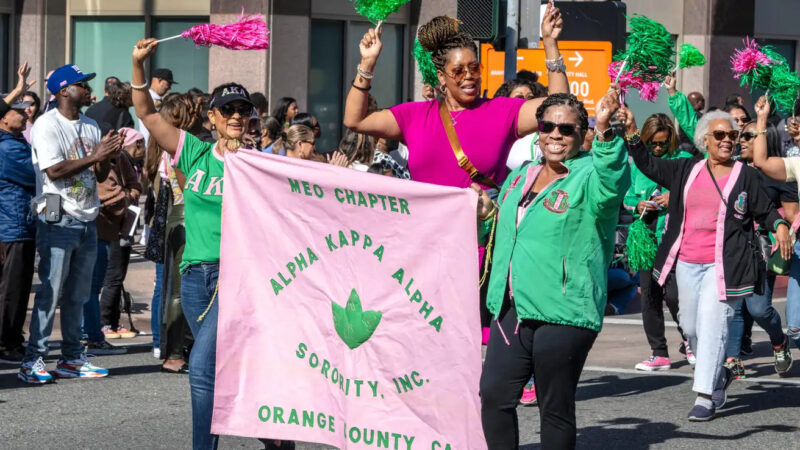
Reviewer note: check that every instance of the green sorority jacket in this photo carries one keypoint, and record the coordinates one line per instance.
(684, 113)
(642, 189)
(560, 253)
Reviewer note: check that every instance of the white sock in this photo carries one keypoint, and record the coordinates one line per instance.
(704, 402)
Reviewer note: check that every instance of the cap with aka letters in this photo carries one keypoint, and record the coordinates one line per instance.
(66, 75)
(229, 94)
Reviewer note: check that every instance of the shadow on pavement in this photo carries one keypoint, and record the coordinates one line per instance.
(642, 434)
(614, 386)
(780, 396)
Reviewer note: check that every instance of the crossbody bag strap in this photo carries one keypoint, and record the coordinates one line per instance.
(721, 197)
(461, 157)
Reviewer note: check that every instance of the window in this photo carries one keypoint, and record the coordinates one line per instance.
(4, 49)
(104, 46)
(334, 57)
(189, 63)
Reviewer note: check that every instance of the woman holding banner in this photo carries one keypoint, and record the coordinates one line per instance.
(556, 221)
(203, 164)
(463, 138)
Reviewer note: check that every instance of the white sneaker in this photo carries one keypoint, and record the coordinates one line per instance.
(157, 353)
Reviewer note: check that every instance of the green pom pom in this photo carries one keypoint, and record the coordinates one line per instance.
(783, 87)
(425, 64)
(378, 10)
(641, 244)
(651, 50)
(690, 56)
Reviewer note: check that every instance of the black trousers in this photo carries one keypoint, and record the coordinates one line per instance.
(110, 298)
(16, 276)
(653, 298)
(176, 336)
(555, 355)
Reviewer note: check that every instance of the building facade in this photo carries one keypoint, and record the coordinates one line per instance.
(314, 44)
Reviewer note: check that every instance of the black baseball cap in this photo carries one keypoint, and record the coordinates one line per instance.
(18, 105)
(164, 74)
(229, 94)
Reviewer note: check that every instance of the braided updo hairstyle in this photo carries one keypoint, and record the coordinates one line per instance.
(567, 100)
(441, 35)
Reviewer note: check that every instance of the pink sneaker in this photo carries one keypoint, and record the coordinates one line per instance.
(689, 354)
(653, 364)
(528, 396)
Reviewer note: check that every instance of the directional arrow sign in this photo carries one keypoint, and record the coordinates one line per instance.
(577, 58)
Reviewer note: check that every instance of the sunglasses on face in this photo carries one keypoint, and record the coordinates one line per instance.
(566, 129)
(747, 136)
(720, 135)
(228, 110)
(653, 144)
(81, 84)
(458, 73)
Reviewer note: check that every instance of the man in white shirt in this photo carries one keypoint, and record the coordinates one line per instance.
(160, 85)
(69, 157)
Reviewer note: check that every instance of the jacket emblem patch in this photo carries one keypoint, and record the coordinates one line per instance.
(557, 202)
(741, 203)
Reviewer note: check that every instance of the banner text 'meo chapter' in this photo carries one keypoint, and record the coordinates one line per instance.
(350, 197)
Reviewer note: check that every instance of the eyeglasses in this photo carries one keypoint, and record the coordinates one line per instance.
(228, 110)
(309, 142)
(82, 84)
(653, 144)
(566, 129)
(747, 136)
(460, 72)
(720, 135)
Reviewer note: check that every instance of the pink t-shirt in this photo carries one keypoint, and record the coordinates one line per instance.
(702, 212)
(486, 133)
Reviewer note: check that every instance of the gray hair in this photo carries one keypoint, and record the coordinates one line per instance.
(703, 124)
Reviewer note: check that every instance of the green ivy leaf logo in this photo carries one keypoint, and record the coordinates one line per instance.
(352, 324)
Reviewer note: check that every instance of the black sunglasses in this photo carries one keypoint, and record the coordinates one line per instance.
(653, 144)
(81, 84)
(720, 135)
(747, 136)
(566, 129)
(228, 110)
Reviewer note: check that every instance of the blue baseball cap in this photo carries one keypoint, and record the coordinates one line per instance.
(66, 75)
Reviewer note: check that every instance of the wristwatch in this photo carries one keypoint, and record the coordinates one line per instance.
(606, 135)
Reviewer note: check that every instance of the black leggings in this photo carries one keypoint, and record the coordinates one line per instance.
(555, 355)
(654, 296)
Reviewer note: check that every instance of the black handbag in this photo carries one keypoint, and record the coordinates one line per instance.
(154, 250)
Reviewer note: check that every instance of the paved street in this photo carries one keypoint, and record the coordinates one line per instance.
(139, 407)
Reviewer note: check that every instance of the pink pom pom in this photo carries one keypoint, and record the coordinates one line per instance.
(626, 80)
(649, 91)
(748, 58)
(247, 33)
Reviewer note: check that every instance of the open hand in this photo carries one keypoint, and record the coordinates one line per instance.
(553, 22)
(337, 159)
(23, 73)
(144, 48)
(109, 146)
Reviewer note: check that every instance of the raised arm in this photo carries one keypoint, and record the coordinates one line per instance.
(166, 135)
(557, 83)
(380, 124)
(611, 178)
(22, 84)
(772, 166)
(681, 108)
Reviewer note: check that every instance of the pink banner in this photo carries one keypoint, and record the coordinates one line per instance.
(348, 308)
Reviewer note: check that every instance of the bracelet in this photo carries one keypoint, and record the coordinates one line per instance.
(756, 133)
(362, 89)
(556, 65)
(489, 214)
(364, 74)
(142, 87)
(628, 137)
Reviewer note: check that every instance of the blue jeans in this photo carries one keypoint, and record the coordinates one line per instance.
(198, 283)
(621, 288)
(92, 331)
(793, 298)
(760, 308)
(704, 319)
(67, 252)
(155, 307)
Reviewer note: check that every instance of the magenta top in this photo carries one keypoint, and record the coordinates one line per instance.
(486, 132)
(700, 224)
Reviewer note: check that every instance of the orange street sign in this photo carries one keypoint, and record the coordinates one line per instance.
(587, 68)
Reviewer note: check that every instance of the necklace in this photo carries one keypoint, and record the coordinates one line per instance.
(455, 114)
